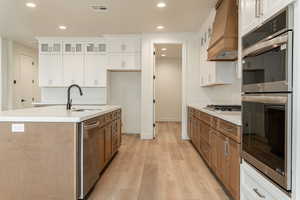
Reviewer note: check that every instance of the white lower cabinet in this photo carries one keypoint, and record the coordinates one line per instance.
(95, 70)
(255, 186)
(73, 66)
(124, 61)
(50, 70)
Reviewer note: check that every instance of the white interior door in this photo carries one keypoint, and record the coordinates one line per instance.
(26, 84)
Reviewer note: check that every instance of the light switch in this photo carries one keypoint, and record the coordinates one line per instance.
(17, 128)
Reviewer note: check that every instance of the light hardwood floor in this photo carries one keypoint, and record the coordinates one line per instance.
(166, 168)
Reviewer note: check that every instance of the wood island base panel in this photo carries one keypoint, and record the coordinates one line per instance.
(39, 160)
(218, 143)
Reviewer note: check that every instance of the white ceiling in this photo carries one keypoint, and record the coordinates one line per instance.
(124, 17)
(173, 50)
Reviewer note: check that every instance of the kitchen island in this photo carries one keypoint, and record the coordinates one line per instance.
(50, 153)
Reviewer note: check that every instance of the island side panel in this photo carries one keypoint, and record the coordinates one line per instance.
(39, 163)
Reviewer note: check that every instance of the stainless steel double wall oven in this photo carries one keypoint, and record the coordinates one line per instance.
(267, 98)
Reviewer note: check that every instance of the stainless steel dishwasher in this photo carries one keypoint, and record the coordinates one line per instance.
(88, 173)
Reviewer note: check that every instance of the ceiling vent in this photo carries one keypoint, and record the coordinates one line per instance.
(99, 8)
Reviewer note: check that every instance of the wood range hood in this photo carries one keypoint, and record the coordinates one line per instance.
(223, 45)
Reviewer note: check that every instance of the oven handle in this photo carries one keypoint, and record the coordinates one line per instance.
(266, 99)
(266, 45)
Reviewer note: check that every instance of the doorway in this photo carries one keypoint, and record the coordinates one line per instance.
(26, 87)
(167, 88)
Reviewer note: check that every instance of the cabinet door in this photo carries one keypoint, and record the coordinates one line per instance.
(73, 69)
(50, 47)
(95, 70)
(115, 45)
(115, 61)
(131, 45)
(221, 159)
(50, 70)
(119, 128)
(214, 151)
(198, 133)
(131, 61)
(250, 15)
(271, 7)
(95, 48)
(233, 168)
(73, 48)
(108, 142)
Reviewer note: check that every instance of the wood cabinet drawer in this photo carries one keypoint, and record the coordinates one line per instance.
(230, 130)
(206, 118)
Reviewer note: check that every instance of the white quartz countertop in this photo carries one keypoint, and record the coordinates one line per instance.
(55, 114)
(233, 117)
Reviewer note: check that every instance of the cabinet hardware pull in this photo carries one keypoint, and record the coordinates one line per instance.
(256, 9)
(91, 126)
(261, 7)
(259, 194)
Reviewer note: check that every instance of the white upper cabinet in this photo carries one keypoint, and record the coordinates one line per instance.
(95, 70)
(50, 64)
(250, 14)
(99, 47)
(73, 69)
(84, 61)
(127, 45)
(50, 70)
(255, 12)
(124, 53)
(73, 48)
(118, 61)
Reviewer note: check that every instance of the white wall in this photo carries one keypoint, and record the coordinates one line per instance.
(11, 71)
(168, 89)
(192, 93)
(125, 91)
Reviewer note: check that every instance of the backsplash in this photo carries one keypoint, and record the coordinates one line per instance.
(59, 95)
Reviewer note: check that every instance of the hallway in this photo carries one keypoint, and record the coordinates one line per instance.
(167, 168)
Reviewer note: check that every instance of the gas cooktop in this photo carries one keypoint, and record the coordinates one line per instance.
(224, 107)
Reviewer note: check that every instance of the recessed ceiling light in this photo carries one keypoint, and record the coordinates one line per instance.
(62, 27)
(160, 27)
(164, 49)
(30, 5)
(163, 55)
(161, 4)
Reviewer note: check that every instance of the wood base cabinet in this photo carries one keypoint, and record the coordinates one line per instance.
(218, 142)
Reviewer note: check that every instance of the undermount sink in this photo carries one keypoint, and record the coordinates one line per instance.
(85, 109)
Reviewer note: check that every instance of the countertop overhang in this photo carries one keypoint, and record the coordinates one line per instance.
(55, 114)
(234, 117)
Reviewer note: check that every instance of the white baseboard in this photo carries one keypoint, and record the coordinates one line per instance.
(147, 136)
